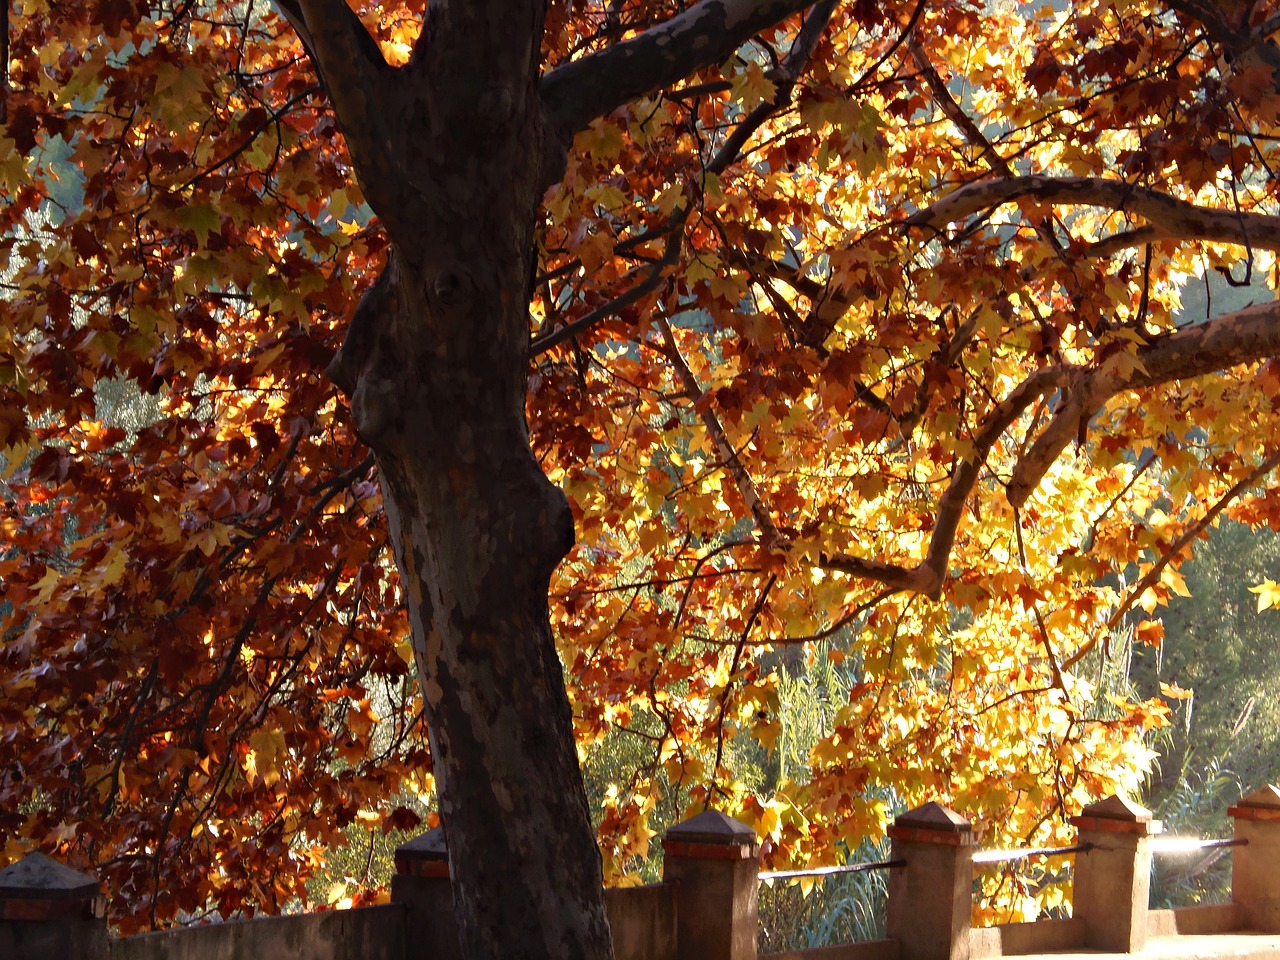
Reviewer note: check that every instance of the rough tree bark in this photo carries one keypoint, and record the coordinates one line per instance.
(453, 152)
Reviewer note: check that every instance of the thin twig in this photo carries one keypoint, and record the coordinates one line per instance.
(728, 685)
(772, 539)
(1188, 535)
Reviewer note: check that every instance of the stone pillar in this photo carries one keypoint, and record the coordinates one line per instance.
(421, 883)
(931, 895)
(1255, 867)
(50, 912)
(1112, 887)
(712, 861)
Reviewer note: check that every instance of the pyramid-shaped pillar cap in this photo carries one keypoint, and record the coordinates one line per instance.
(1116, 807)
(932, 823)
(38, 877)
(425, 846)
(1267, 798)
(712, 826)
(1117, 814)
(934, 816)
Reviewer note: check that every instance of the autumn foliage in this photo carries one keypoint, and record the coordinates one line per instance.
(868, 336)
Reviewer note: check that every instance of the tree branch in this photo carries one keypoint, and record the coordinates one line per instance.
(1152, 576)
(973, 134)
(786, 76)
(655, 276)
(893, 575)
(770, 537)
(928, 576)
(1124, 240)
(1243, 336)
(575, 93)
(1168, 217)
(355, 75)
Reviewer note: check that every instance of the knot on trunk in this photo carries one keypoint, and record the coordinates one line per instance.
(452, 288)
(495, 108)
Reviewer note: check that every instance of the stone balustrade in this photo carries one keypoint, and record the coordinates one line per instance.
(705, 908)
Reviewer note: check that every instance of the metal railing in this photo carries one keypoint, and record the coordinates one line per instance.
(1176, 845)
(1159, 845)
(982, 857)
(830, 871)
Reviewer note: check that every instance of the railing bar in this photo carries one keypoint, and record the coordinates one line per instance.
(828, 871)
(983, 857)
(1187, 844)
(1004, 856)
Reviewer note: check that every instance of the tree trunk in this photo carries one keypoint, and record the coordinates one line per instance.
(477, 531)
(435, 364)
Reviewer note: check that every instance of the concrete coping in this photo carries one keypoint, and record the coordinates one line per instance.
(38, 877)
(934, 816)
(714, 827)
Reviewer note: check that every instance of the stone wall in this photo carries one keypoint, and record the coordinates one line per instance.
(365, 933)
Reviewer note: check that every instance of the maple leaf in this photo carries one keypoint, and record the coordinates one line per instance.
(1268, 594)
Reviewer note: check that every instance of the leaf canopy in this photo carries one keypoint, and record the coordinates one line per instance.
(864, 336)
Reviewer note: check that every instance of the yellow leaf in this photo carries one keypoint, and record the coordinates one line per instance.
(404, 649)
(1268, 594)
(266, 750)
(1174, 692)
(1175, 581)
(752, 87)
(607, 196)
(114, 569)
(11, 459)
(267, 358)
(46, 585)
(669, 197)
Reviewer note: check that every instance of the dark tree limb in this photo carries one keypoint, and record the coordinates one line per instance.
(1245, 336)
(1167, 217)
(785, 77)
(355, 75)
(928, 576)
(973, 134)
(577, 92)
(1124, 240)
(770, 537)
(1244, 45)
(654, 278)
